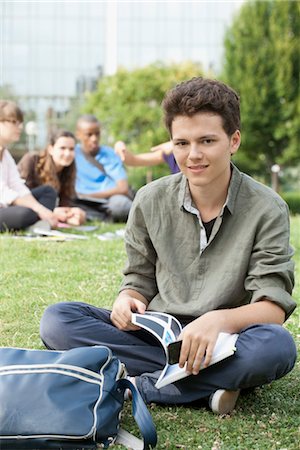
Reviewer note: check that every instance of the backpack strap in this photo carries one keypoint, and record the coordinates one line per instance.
(143, 419)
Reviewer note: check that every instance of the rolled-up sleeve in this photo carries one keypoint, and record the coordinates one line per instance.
(271, 269)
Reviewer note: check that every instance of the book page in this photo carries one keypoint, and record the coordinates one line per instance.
(167, 329)
(164, 327)
(225, 347)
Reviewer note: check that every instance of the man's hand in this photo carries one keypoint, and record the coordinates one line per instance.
(199, 338)
(122, 151)
(30, 202)
(125, 304)
(165, 147)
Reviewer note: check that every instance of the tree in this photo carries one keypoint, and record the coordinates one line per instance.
(262, 61)
(128, 105)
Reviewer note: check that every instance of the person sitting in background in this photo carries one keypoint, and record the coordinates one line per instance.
(100, 172)
(55, 166)
(158, 154)
(19, 208)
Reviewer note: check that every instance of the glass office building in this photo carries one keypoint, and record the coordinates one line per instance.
(52, 51)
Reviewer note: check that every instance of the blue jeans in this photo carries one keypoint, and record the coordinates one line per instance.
(264, 353)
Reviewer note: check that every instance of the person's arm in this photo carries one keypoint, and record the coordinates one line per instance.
(113, 170)
(269, 281)
(199, 337)
(165, 147)
(28, 201)
(127, 302)
(139, 284)
(151, 158)
(11, 185)
(14, 191)
(121, 188)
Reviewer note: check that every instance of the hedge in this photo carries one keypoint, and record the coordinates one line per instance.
(293, 200)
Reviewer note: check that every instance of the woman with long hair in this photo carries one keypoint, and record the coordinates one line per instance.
(55, 166)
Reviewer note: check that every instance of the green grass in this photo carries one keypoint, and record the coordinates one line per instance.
(35, 274)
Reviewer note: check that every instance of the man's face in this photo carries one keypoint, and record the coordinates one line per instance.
(202, 149)
(89, 136)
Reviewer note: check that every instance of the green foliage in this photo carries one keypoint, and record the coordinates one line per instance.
(262, 60)
(293, 200)
(289, 178)
(128, 104)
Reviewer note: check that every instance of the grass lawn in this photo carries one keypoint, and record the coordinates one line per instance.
(35, 274)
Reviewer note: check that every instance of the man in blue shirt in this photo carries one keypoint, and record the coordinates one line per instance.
(100, 172)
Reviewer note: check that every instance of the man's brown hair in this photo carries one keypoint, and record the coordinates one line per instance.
(203, 95)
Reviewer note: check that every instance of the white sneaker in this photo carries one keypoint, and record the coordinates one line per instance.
(223, 401)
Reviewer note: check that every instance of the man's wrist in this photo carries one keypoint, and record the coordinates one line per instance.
(133, 294)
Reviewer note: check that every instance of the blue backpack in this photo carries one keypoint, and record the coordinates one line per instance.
(67, 400)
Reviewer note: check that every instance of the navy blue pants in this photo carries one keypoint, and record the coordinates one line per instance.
(19, 217)
(264, 353)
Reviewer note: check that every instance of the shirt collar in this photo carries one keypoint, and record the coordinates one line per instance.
(183, 192)
(185, 199)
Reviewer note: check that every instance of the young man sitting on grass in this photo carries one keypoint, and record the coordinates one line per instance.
(209, 245)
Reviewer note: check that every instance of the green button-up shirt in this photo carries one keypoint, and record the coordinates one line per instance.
(247, 257)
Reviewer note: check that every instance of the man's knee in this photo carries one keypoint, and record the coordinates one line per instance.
(284, 349)
(52, 328)
(268, 352)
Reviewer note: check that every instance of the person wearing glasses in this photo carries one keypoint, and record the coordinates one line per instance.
(19, 207)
